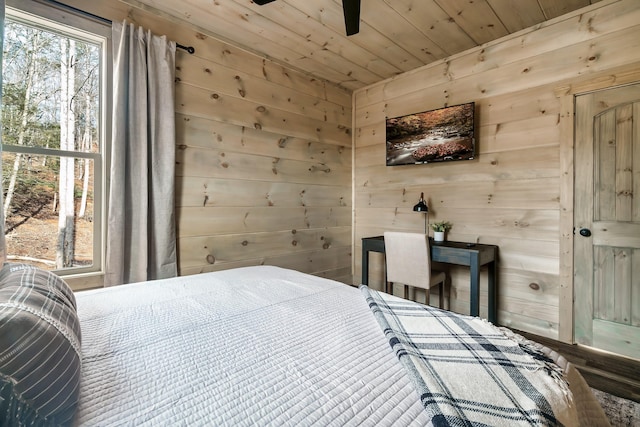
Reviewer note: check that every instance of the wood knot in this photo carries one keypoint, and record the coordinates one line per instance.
(245, 243)
(534, 286)
(211, 259)
(320, 167)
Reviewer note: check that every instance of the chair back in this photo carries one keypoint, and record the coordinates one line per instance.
(408, 259)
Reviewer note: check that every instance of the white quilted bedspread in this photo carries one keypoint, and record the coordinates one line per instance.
(258, 346)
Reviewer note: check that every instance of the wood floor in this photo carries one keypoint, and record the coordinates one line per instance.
(604, 371)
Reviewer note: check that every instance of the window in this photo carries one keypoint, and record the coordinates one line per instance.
(54, 125)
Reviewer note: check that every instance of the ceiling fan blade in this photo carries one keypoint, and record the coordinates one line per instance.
(351, 10)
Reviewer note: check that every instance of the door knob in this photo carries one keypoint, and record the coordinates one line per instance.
(585, 232)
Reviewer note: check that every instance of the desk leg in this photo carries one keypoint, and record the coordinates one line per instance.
(493, 297)
(365, 265)
(475, 284)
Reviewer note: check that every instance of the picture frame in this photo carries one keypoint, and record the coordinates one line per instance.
(433, 136)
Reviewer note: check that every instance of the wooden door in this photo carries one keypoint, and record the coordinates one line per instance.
(607, 220)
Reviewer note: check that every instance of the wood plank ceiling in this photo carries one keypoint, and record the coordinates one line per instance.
(395, 35)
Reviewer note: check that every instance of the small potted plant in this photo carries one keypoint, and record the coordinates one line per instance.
(439, 228)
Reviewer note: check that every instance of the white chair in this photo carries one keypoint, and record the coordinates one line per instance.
(408, 262)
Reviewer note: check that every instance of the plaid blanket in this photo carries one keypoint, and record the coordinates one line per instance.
(467, 372)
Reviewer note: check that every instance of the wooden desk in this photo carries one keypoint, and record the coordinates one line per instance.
(473, 256)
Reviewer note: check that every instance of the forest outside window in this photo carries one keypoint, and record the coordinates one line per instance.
(53, 124)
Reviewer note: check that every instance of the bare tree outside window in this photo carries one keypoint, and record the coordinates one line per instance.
(51, 145)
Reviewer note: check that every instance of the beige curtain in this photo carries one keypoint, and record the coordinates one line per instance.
(3, 244)
(141, 233)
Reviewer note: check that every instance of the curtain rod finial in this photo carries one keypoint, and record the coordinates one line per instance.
(189, 49)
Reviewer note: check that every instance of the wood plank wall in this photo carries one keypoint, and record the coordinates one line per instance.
(263, 157)
(510, 195)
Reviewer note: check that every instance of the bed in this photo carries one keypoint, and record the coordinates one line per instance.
(257, 346)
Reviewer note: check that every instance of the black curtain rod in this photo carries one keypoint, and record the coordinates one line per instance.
(190, 49)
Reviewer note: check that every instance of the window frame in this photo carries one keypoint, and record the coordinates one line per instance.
(54, 17)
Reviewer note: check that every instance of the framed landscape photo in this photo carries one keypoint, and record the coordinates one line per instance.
(441, 135)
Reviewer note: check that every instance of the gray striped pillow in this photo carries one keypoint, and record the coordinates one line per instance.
(39, 348)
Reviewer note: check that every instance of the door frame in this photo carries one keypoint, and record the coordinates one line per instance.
(566, 94)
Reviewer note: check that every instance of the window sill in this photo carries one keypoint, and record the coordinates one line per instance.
(85, 281)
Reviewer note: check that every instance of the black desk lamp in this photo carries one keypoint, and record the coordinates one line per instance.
(422, 207)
